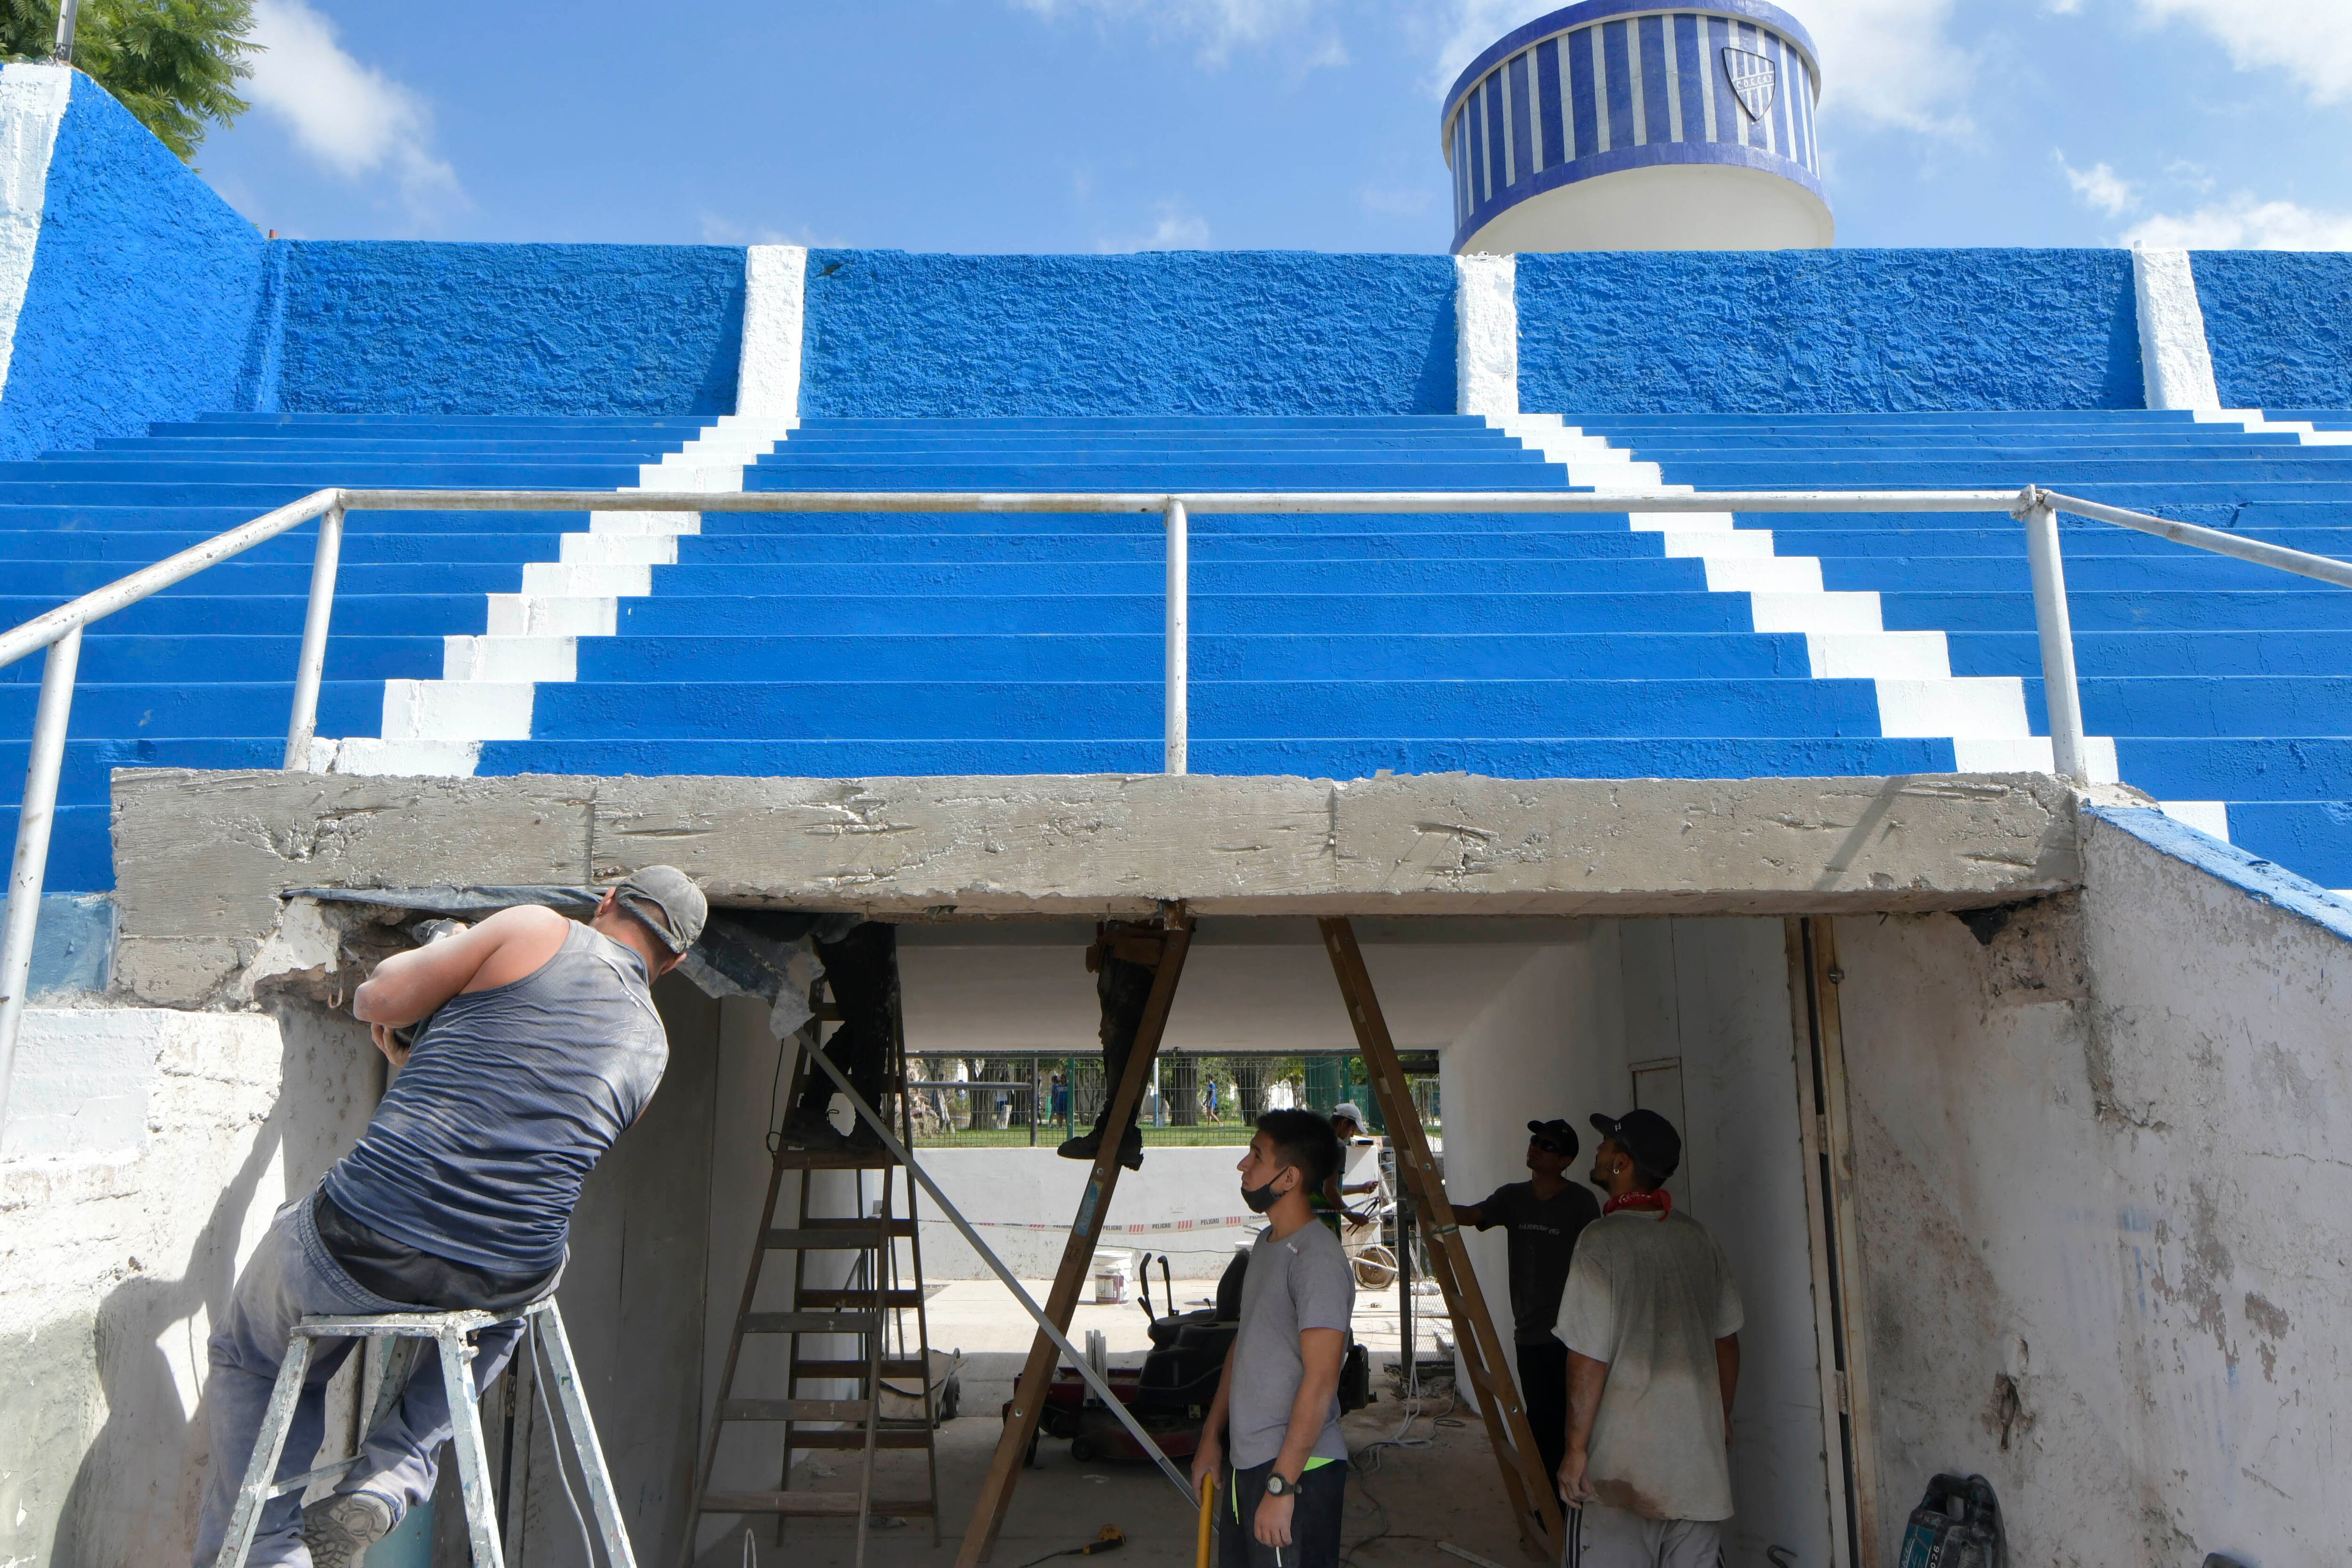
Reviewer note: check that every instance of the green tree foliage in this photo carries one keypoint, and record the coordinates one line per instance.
(175, 64)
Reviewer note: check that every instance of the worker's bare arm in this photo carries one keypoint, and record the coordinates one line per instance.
(1320, 1352)
(1726, 1373)
(503, 949)
(1586, 1378)
(1212, 1450)
(1471, 1215)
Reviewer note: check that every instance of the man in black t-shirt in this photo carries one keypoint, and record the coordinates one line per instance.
(1544, 1216)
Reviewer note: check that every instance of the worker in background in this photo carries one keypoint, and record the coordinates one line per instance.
(861, 968)
(1275, 1416)
(1124, 961)
(1543, 1216)
(1651, 1319)
(1331, 1201)
(542, 1046)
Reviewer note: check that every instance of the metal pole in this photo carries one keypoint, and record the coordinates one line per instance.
(313, 668)
(2059, 690)
(33, 820)
(1179, 615)
(67, 14)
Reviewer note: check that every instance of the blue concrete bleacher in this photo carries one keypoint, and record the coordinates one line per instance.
(1504, 643)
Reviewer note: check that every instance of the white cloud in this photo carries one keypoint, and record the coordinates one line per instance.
(2305, 39)
(1216, 27)
(352, 118)
(2243, 223)
(1884, 63)
(2100, 187)
(1177, 227)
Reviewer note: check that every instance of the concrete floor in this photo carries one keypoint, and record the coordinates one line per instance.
(1401, 1502)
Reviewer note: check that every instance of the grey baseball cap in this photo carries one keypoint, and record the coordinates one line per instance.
(668, 903)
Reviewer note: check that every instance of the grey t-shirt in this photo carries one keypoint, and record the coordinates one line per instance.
(1650, 1295)
(1301, 1281)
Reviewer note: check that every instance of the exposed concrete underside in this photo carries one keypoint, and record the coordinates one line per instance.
(202, 859)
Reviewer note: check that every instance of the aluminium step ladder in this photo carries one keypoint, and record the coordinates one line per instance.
(873, 1304)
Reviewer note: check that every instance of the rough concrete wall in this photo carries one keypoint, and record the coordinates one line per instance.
(1827, 330)
(401, 327)
(890, 334)
(2104, 1208)
(119, 1254)
(144, 294)
(2280, 325)
(205, 856)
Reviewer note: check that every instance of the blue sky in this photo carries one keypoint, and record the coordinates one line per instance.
(1098, 125)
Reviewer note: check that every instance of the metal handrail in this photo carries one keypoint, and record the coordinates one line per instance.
(59, 630)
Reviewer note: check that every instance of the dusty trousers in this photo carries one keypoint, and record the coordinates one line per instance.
(1599, 1536)
(290, 1277)
(862, 969)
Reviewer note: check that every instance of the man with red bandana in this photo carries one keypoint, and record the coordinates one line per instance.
(1651, 1318)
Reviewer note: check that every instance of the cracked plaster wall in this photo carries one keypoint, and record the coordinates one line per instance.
(2107, 1215)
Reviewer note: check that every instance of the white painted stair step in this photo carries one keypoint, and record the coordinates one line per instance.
(1870, 655)
(2030, 755)
(1718, 542)
(1841, 611)
(1763, 575)
(2210, 817)
(562, 579)
(554, 614)
(397, 759)
(1971, 706)
(456, 711)
(509, 659)
(618, 549)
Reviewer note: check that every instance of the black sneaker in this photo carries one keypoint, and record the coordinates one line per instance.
(810, 1134)
(337, 1529)
(1088, 1144)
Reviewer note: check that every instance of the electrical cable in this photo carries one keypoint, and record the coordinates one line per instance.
(1110, 1540)
(540, 1358)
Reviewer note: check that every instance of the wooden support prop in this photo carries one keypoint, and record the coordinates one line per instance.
(1077, 1256)
(1534, 1503)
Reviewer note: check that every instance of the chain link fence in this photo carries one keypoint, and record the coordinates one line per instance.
(1033, 1099)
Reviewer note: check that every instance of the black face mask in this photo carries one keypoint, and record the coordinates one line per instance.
(1261, 1199)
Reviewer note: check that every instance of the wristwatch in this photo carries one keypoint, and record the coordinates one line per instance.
(1276, 1486)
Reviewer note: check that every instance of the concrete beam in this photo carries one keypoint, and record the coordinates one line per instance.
(202, 858)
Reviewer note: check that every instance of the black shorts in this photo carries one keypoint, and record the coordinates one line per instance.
(1314, 1519)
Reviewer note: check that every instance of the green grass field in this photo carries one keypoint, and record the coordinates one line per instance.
(1232, 1134)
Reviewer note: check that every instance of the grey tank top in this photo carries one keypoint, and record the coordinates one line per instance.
(510, 1098)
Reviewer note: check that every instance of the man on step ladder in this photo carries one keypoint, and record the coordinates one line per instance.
(538, 1045)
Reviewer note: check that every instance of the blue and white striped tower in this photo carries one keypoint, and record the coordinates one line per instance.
(1617, 125)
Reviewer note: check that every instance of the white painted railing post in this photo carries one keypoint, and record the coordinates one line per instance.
(2060, 691)
(1179, 615)
(33, 820)
(312, 668)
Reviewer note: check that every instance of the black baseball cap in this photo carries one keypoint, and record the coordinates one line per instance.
(666, 902)
(1649, 1138)
(1557, 1133)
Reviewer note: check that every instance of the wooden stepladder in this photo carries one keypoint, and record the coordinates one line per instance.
(1163, 951)
(1534, 1502)
(873, 1299)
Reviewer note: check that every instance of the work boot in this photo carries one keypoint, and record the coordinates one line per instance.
(337, 1529)
(1088, 1144)
(811, 1133)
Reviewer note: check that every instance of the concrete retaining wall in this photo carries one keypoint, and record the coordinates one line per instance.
(144, 288)
(1826, 332)
(2280, 325)
(416, 328)
(2103, 1203)
(1181, 332)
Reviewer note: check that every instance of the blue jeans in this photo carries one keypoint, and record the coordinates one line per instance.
(291, 1277)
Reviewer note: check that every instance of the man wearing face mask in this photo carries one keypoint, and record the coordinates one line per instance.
(1278, 1403)
(1651, 1319)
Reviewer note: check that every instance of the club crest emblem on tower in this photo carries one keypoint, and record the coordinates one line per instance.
(1753, 79)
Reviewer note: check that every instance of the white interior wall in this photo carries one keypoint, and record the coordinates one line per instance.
(2107, 1215)
(1560, 1039)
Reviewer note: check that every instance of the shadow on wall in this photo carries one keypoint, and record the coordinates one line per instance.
(134, 1494)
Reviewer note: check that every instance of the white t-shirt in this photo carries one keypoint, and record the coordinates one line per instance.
(1650, 1296)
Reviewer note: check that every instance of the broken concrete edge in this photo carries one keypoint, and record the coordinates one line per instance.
(2263, 881)
(204, 859)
